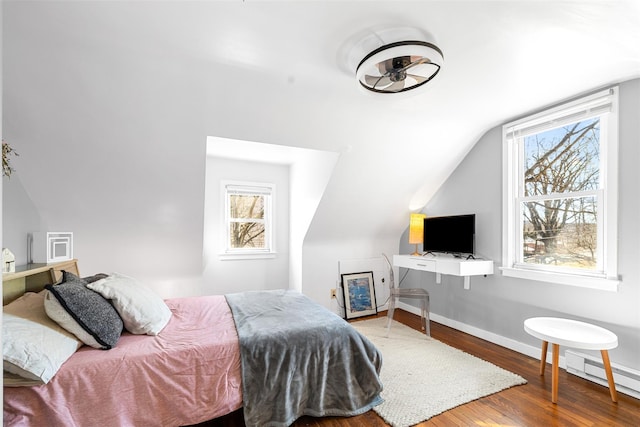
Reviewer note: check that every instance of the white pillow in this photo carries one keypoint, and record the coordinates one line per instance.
(141, 310)
(33, 345)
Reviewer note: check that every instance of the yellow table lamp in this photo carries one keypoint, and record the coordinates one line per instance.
(416, 230)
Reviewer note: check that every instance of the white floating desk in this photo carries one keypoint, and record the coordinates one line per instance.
(446, 264)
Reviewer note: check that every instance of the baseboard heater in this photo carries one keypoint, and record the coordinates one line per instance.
(591, 368)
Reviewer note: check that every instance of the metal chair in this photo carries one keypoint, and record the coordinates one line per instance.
(396, 293)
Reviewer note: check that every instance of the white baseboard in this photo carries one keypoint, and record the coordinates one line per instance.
(514, 345)
(481, 333)
(591, 368)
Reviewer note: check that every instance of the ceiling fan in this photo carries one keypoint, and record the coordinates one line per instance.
(389, 69)
(396, 60)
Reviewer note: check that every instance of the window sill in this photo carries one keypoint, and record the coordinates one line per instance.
(590, 282)
(245, 256)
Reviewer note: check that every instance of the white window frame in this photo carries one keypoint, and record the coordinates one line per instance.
(605, 105)
(268, 190)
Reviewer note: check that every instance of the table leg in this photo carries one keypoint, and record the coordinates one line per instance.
(543, 357)
(607, 368)
(554, 377)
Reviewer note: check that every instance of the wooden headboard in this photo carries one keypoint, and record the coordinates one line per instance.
(33, 278)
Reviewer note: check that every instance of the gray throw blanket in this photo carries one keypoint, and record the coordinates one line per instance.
(298, 358)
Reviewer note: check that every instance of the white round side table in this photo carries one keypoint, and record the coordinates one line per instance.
(575, 334)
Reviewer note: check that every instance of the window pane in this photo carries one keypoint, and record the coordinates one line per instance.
(564, 159)
(245, 231)
(242, 206)
(247, 235)
(561, 232)
(560, 193)
(248, 218)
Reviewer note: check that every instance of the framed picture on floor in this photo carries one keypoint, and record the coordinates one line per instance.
(359, 294)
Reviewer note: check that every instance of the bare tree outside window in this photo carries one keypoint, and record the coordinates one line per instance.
(248, 218)
(560, 193)
(561, 177)
(247, 221)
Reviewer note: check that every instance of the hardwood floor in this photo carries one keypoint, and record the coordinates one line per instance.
(580, 402)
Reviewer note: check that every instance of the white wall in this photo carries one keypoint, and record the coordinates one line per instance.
(130, 186)
(225, 276)
(309, 175)
(20, 216)
(500, 304)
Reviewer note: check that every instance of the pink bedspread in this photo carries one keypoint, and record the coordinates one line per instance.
(187, 374)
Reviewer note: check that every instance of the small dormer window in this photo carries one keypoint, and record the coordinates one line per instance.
(248, 218)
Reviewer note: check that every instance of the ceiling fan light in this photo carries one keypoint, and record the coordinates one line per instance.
(408, 64)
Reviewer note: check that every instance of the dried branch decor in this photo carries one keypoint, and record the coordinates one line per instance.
(7, 151)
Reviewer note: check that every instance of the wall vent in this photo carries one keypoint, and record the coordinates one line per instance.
(591, 368)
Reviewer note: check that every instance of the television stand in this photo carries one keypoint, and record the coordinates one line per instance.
(446, 264)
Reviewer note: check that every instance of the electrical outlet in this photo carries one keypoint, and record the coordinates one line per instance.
(333, 293)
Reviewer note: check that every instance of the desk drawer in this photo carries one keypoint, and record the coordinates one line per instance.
(415, 263)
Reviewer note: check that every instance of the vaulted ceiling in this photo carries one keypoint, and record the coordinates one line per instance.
(139, 85)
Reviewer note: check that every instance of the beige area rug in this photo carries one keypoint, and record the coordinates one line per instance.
(423, 377)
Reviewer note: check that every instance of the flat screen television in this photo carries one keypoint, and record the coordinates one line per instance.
(452, 234)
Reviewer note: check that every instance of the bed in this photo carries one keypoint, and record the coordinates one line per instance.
(276, 353)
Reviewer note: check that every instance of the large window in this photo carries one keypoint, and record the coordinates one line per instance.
(560, 194)
(248, 218)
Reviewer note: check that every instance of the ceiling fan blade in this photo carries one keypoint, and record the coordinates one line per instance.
(417, 62)
(396, 87)
(377, 81)
(385, 66)
(417, 78)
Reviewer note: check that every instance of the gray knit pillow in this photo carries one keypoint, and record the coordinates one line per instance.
(83, 312)
(94, 278)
